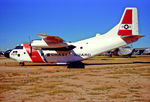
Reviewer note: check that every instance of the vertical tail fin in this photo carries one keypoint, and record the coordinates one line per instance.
(127, 28)
(129, 23)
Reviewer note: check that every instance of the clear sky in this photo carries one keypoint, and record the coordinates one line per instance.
(72, 20)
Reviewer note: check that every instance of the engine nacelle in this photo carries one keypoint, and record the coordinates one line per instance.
(37, 44)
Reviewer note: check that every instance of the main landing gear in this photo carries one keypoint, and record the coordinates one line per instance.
(77, 64)
(21, 63)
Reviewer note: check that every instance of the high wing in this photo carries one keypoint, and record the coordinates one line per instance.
(51, 39)
(50, 42)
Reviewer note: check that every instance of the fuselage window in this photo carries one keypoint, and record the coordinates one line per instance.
(14, 52)
(81, 47)
(18, 55)
(24, 52)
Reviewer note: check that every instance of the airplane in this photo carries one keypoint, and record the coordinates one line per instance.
(142, 51)
(54, 49)
(125, 51)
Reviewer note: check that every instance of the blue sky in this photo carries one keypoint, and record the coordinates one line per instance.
(72, 20)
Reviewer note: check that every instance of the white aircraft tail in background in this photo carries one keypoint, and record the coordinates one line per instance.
(54, 49)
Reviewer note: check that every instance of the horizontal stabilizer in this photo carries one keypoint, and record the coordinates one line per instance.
(131, 38)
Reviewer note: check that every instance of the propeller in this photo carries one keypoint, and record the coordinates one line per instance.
(30, 46)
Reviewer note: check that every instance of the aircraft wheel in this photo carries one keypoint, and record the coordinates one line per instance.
(130, 55)
(21, 63)
(77, 64)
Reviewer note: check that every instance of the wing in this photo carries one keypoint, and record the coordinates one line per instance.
(49, 42)
(51, 39)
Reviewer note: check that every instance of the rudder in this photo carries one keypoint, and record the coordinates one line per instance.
(129, 23)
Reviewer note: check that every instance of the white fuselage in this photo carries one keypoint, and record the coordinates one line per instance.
(83, 50)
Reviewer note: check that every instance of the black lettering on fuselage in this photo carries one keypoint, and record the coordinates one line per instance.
(83, 54)
(66, 54)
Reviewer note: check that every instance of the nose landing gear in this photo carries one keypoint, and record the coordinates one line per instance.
(21, 63)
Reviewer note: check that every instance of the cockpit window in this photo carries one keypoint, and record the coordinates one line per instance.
(19, 47)
(14, 52)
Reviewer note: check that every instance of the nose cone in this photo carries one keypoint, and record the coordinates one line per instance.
(6, 54)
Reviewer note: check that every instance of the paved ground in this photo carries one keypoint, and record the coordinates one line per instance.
(104, 79)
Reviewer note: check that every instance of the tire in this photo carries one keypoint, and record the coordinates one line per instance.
(21, 63)
(77, 64)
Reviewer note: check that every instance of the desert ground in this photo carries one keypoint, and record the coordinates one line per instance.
(103, 79)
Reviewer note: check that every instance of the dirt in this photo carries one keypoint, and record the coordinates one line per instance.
(103, 79)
